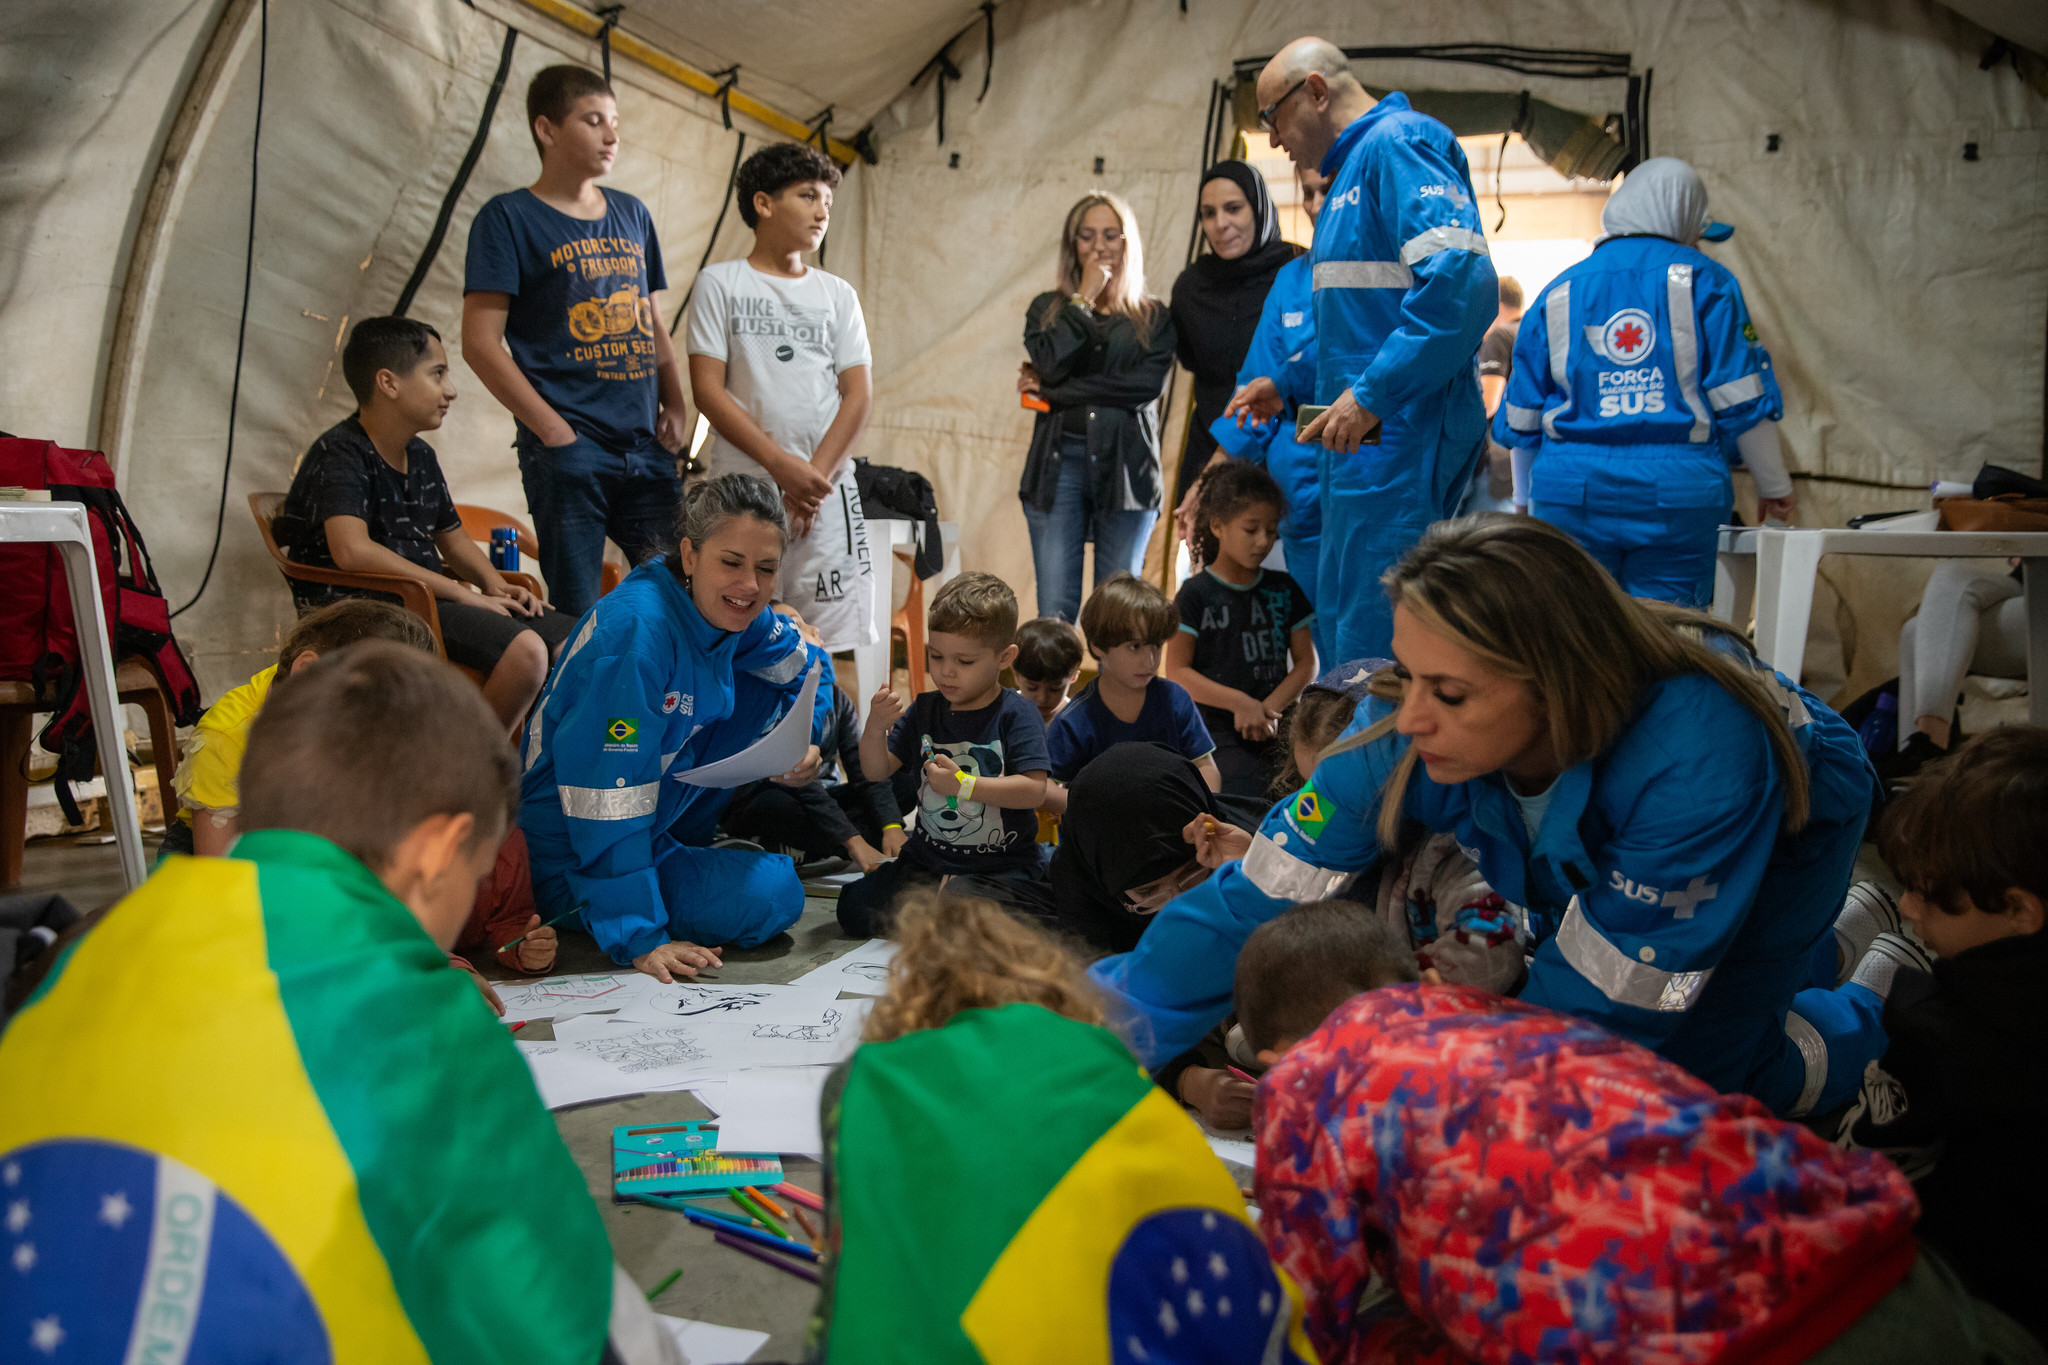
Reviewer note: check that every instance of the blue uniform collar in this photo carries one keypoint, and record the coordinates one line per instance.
(703, 637)
(1557, 847)
(1393, 102)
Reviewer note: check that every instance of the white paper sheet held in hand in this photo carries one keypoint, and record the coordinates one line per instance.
(774, 754)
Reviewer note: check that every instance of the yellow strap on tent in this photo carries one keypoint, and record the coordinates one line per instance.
(626, 45)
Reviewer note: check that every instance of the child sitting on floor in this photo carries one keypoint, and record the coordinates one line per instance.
(369, 497)
(1243, 650)
(826, 817)
(1528, 1186)
(1103, 1227)
(1126, 622)
(980, 748)
(260, 1067)
(1048, 662)
(1961, 1095)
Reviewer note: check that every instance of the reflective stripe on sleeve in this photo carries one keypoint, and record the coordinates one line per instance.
(1685, 346)
(582, 637)
(1426, 244)
(1813, 1053)
(784, 669)
(609, 803)
(1361, 275)
(1524, 419)
(1724, 396)
(533, 734)
(1285, 877)
(1619, 977)
(1557, 320)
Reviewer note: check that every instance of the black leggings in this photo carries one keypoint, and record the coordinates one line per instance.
(816, 819)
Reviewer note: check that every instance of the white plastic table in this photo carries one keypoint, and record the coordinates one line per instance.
(64, 524)
(1776, 569)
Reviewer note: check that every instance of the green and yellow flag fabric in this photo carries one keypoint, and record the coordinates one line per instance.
(253, 1115)
(1012, 1188)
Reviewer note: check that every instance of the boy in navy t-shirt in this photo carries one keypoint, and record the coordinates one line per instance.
(1126, 622)
(981, 752)
(564, 273)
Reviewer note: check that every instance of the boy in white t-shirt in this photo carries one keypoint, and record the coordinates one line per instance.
(779, 366)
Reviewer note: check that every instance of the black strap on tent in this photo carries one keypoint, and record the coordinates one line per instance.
(818, 126)
(461, 181)
(1219, 100)
(726, 79)
(731, 178)
(242, 327)
(942, 62)
(988, 67)
(611, 15)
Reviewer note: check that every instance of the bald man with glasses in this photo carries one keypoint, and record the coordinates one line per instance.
(1404, 291)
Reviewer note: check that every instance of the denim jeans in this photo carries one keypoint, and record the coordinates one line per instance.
(579, 494)
(1058, 536)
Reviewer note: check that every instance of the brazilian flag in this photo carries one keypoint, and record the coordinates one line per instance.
(253, 1115)
(1012, 1188)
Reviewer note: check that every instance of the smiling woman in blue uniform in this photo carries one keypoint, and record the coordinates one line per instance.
(1679, 821)
(681, 665)
(1638, 378)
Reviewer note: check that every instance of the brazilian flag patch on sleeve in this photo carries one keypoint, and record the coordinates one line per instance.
(1749, 333)
(622, 735)
(1308, 811)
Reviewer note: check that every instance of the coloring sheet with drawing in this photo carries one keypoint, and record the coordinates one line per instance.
(864, 971)
(559, 997)
(566, 1075)
(653, 1056)
(714, 1045)
(711, 1003)
(774, 754)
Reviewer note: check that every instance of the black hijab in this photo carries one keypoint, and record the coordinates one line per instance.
(1125, 814)
(1216, 306)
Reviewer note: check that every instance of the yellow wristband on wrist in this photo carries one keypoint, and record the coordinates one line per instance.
(967, 781)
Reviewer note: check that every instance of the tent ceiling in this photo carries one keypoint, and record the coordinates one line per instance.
(854, 57)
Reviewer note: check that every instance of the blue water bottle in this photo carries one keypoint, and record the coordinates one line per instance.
(505, 548)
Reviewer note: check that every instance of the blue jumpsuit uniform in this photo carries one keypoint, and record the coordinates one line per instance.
(648, 689)
(1404, 292)
(1284, 350)
(1634, 373)
(1667, 900)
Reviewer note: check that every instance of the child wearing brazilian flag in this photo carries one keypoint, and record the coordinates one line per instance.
(980, 1215)
(253, 1116)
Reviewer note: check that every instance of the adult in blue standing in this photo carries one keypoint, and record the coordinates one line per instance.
(679, 666)
(1404, 290)
(1638, 380)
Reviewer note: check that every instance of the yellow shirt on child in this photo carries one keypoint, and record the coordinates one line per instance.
(210, 759)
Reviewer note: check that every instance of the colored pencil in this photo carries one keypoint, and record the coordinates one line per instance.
(516, 1026)
(741, 1219)
(800, 1195)
(766, 1202)
(656, 1292)
(801, 1272)
(1242, 1075)
(766, 1217)
(537, 928)
(773, 1243)
(805, 1223)
(700, 1163)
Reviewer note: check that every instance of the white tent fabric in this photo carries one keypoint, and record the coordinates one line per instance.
(1902, 288)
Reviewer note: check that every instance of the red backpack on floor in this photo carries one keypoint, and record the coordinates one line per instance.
(38, 637)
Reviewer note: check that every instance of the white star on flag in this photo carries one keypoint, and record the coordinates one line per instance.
(115, 1208)
(11, 1173)
(25, 1257)
(17, 1216)
(46, 1334)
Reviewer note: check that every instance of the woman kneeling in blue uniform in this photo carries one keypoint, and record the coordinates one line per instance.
(681, 665)
(1679, 821)
(1638, 380)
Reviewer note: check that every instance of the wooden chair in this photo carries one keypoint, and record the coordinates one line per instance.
(134, 682)
(479, 522)
(411, 593)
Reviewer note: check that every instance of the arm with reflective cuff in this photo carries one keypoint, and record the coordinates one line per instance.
(1672, 886)
(1736, 378)
(1454, 295)
(1518, 421)
(606, 746)
(771, 652)
(1175, 985)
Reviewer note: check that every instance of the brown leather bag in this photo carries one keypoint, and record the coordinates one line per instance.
(2007, 512)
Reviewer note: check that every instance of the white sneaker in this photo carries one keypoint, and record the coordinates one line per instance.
(1888, 954)
(1867, 911)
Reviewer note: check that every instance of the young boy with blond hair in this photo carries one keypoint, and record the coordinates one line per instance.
(1127, 623)
(981, 749)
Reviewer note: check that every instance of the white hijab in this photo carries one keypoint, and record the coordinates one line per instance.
(1662, 197)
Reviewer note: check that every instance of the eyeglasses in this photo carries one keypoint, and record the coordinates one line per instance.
(1266, 114)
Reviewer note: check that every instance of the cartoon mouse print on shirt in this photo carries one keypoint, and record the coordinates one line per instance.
(968, 826)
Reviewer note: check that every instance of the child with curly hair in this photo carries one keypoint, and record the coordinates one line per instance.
(1093, 1191)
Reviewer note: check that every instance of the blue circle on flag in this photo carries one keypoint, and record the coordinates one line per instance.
(1195, 1285)
(112, 1252)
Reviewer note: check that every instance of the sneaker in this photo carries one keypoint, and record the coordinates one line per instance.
(1867, 911)
(1888, 954)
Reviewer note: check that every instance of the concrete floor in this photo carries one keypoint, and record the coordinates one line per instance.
(717, 1285)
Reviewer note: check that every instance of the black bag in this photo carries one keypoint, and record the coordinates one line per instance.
(892, 494)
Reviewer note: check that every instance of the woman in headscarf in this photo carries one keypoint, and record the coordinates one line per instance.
(1638, 380)
(1217, 300)
(1124, 848)
(1100, 349)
